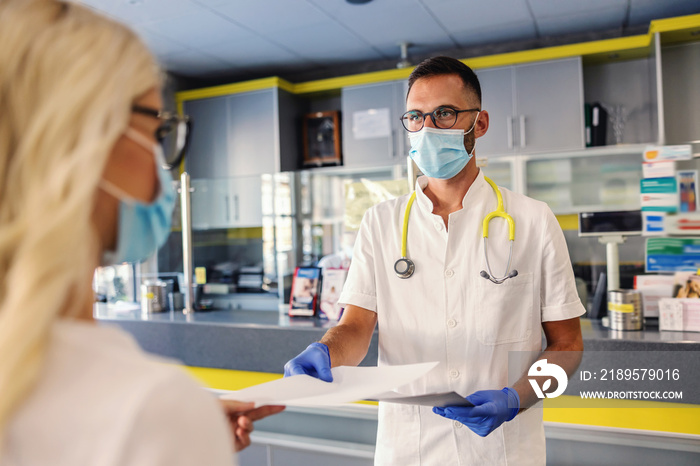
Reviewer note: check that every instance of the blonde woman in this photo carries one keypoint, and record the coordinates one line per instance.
(80, 185)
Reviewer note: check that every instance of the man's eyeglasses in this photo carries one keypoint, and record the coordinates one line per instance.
(443, 117)
(173, 133)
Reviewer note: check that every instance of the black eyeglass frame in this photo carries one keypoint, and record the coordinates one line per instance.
(168, 118)
(432, 117)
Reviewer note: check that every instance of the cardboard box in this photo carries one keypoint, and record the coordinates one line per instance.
(679, 314)
(662, 169)
(683, 224)
(653, 223)
(659, 194)
(653, 288)
(659, 153)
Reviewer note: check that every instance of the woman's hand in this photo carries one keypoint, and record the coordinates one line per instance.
(241, 417)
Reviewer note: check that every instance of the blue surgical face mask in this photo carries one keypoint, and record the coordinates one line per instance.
(440, 153)
(143, 227)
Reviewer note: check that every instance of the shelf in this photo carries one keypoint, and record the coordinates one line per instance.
(600, 151)
(593, 208)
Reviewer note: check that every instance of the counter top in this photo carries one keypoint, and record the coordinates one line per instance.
(263, 341)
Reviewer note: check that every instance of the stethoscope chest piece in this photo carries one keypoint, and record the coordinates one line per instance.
(404, 267)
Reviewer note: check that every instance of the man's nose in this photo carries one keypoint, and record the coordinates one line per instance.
(428, 120)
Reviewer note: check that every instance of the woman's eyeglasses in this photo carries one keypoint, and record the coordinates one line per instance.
(173, 133)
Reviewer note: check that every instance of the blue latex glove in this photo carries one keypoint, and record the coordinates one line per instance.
(491, 409)
(315, 361)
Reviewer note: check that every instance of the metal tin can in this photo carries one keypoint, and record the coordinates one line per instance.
(625, 310)
(154, 296)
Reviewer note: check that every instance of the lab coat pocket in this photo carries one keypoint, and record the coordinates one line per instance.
(504, 312)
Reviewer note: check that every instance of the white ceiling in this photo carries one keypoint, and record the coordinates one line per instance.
(214, 38)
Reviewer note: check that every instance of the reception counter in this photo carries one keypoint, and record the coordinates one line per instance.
(231, 349)
(263, 341)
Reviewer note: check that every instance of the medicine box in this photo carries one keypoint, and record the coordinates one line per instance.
(679, 314)
(663, 169)
(659, 153)
(653, 288)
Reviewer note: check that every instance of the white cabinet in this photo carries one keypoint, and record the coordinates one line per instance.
(497, 99)
(681, 74)
(372, 132)
(248, 133)
(207, 154)
(227, 203)
(535, 107)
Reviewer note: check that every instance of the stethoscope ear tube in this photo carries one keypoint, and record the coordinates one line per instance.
(489, 275)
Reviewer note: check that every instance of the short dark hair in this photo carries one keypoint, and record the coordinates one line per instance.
(438, 66)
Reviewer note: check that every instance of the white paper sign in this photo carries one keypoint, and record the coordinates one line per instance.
(349, 384)
(372, 123)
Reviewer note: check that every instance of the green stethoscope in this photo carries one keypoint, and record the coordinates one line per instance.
(404, 267)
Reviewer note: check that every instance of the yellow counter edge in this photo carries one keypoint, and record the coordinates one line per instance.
(625, 414)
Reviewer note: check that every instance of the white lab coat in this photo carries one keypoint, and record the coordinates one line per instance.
(101, 401)
(447, 312)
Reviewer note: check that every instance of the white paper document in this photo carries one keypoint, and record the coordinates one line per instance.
(372, 123)
(349, 384)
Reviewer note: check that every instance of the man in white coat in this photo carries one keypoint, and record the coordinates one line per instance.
(450, 309)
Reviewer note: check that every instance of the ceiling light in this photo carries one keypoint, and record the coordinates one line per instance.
(358, 2)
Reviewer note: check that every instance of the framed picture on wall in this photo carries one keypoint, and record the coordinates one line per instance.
(322, 139)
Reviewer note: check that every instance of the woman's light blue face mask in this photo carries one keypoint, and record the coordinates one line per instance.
(440, 153)
(142, 227)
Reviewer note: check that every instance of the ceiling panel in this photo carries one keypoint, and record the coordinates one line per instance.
(582, 21)
(253, 52)
(269, 15)
(193, 63)
(515, 31)
(562, 8)
(158, 44)
(386, 23)
(643, 11)
(325, 40)
(144, 11)
(207, 37)
(460, 16)
(201, 29)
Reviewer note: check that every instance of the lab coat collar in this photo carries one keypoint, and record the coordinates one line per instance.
(478, 186)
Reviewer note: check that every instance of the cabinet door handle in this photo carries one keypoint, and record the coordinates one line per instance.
(228, 211)
(509, 130)
(391, 144)
(235, 205)
(523, 142)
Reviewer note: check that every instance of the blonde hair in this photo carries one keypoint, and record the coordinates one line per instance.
(67, 82)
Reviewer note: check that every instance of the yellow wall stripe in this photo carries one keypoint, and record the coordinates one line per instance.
(674, 24)
(353, 80)
(626, 414)
(224, 379)
(235, 88)
(568, 222)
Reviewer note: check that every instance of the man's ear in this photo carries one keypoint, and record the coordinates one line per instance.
(482, 124)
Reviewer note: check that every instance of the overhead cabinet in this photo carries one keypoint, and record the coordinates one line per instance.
(227, 203)
(681, 74)
(535, 107)
(249, 133)
(372, 132)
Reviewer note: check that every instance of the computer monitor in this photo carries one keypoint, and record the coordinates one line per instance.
(622, 223)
